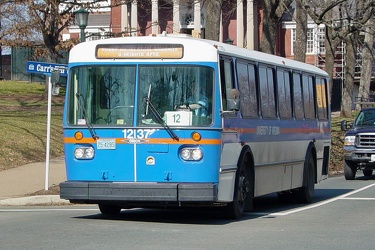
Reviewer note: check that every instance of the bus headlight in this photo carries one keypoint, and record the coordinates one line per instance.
(84, 153)
(349, 140)
(191, 154)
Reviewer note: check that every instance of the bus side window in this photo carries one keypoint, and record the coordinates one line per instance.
(308, 96)
(321, 98)
(267, 91)
(226, 74)
(297, 96)
(284, 88)
(247, 87)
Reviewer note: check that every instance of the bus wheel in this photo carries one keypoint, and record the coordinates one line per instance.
(349, 170)
(367, 172)
(241, 199)
(305, 194)
(109, 209)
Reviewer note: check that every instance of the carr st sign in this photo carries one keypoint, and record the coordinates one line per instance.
(46, 68)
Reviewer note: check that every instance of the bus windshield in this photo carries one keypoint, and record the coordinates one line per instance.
(106, 95)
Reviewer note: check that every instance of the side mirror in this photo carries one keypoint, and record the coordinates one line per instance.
(344, 125)
(233, 101)
(55, 78)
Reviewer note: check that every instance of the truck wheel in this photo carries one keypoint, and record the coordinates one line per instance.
(349, 170)
(109, 209)
(367, 172)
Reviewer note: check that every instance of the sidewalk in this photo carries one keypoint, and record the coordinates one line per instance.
(17, 183)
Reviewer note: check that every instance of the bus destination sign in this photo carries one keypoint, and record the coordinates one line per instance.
(139, 51)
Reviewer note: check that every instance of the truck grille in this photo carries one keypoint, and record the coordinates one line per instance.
(365, 140)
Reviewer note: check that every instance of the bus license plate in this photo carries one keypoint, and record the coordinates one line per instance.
(372, 158)
(106, 144)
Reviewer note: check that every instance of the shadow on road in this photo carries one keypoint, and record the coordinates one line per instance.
(263, 206)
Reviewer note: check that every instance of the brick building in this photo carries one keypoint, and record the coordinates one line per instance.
(241, 23)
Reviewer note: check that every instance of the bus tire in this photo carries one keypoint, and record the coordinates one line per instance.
(243, 193)
(367, 172)
(305, 193)
(349, 170)
(109, 209)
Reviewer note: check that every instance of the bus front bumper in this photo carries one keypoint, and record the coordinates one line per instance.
(97, 192)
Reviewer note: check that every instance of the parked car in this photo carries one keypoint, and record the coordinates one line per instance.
(359, 144)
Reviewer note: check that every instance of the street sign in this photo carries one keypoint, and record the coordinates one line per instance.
(46, 68)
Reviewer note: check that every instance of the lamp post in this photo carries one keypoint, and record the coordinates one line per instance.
(82, 16)
(229, 41)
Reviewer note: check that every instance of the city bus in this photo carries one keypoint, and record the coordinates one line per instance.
(175, 121)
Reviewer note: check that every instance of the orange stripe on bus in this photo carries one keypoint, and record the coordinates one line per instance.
(146, 141)
(282, 130)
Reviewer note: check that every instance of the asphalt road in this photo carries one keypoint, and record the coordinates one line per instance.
(341, 217)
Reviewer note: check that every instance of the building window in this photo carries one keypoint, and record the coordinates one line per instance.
(321, 40)
(95, 36)
(310, 41)
(315, 40)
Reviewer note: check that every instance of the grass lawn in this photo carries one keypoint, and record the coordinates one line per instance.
(23, 124)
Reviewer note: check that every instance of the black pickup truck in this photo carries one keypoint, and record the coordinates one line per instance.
(359, 144)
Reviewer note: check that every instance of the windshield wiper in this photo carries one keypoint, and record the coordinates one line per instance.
(88, 124)
(160, 120)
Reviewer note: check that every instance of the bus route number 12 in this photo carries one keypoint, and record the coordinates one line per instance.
(181, 118)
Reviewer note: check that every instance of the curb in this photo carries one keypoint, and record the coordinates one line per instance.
(50, 200)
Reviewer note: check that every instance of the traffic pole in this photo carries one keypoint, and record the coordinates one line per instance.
(48, 131)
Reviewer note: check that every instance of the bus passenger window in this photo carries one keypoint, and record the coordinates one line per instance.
(247, 87)
(266, 86)
(308, 96)
(321, 98)
(285, 99)
(226, 72)
(297, 97)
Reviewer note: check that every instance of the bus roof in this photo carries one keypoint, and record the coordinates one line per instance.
(194, 50)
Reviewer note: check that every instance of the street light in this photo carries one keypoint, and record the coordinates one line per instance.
(82, 16)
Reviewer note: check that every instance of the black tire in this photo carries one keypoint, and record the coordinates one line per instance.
(350, 170)
(305, 194)
(367, 172)
(109, 209)
(243, 194)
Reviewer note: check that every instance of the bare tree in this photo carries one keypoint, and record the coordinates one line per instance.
(351, 42)
(299, 47)
(322, 13)
(357, 16)
(42, 23)
(212, 30)
(341, 18)
(273, 11)
(367, 61)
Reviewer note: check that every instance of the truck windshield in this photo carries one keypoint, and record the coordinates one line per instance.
(366, 118)
(105, 95)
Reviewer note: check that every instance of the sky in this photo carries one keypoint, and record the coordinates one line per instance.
(5, 50)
